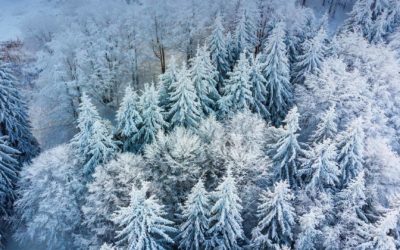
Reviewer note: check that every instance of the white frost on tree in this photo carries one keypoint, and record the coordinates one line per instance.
(327, 127)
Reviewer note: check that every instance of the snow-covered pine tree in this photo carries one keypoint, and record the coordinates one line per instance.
(218, 51)
(286, 151)
(237, 91)
(226, 221)
(277, 218)
(320, 170)
(101, 147)
(165, 82)
(14, 122)
(276, 72)
(129, 121)
(258, 88)
(204, 75)
(196, 213)
(151, 113)
(9, 167)
(350, 145)
(310, 61)
(230, 51)
(360, 18)
(245, 35)
(143, 224)
(185, 107)
(310, 234)
(327, 127)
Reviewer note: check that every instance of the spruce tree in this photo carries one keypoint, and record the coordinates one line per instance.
(320, 171)
(310, 61)
(276, 72)
(350, 144)
(245, 35)
(218, 51)
(196, 213)
(129, 120)
(310, 234)
(185, 108)
(237, 91)
(287, 151)
(327, 127)
(14, 122)
(360, 18)
(226, 228)
(151, 113)
(204, 75)
(258, 88)
(165, 89)
(143, 224)
(277, 218)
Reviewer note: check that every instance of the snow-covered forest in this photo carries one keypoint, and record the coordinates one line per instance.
(199, 124)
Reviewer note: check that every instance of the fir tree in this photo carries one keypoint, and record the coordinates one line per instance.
(226, 228)
(277, 218)
(196, 214)
(350, 151)
(129, 120)
(360, 18)
(185, 108)
(237, 91)
(310, 234)
(327, 127)
(245, 35)
(320, 170)
(165, 89)
(276, 72)
(218, 51)
(310, 61)
(286, 152)
(258, 88)
(14, 121)
(142, 223)
(204, 75)
(151, 114)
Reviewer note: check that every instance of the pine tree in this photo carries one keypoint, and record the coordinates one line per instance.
(310, 61)
(360, 18)
(245, 35)
(237, 91)
(101, 148)
(165, 82)
(14, 121)
(151, 114)
(142, 223)
(258, 88)
(9, 167)
(185, 108)
(129, 120)
(276, 72)
(203, 74)
(320, 171)
(310, 234)
(350, 146)
(196, 214)
(226, 228)
(218, 51)
(286, 152)
(327, 127)
(277, 218)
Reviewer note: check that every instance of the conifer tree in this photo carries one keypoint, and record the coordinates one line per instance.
(310, 61)
(350, 146)
(151, 113)
(165, 89)
(230, 51)
(101, 147)
(237, 91)
(360, 18)
(14, 121)
(276, 72)
(218, 51)
(204, 75)
(258, 88)
(310, 234)
(320, 170)
(277, 218)
(226, 228)
(245, 35)
(143, 224)
(129, 120)
(185, 108)
(286, 152)
(327, 127)
(196, 212)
